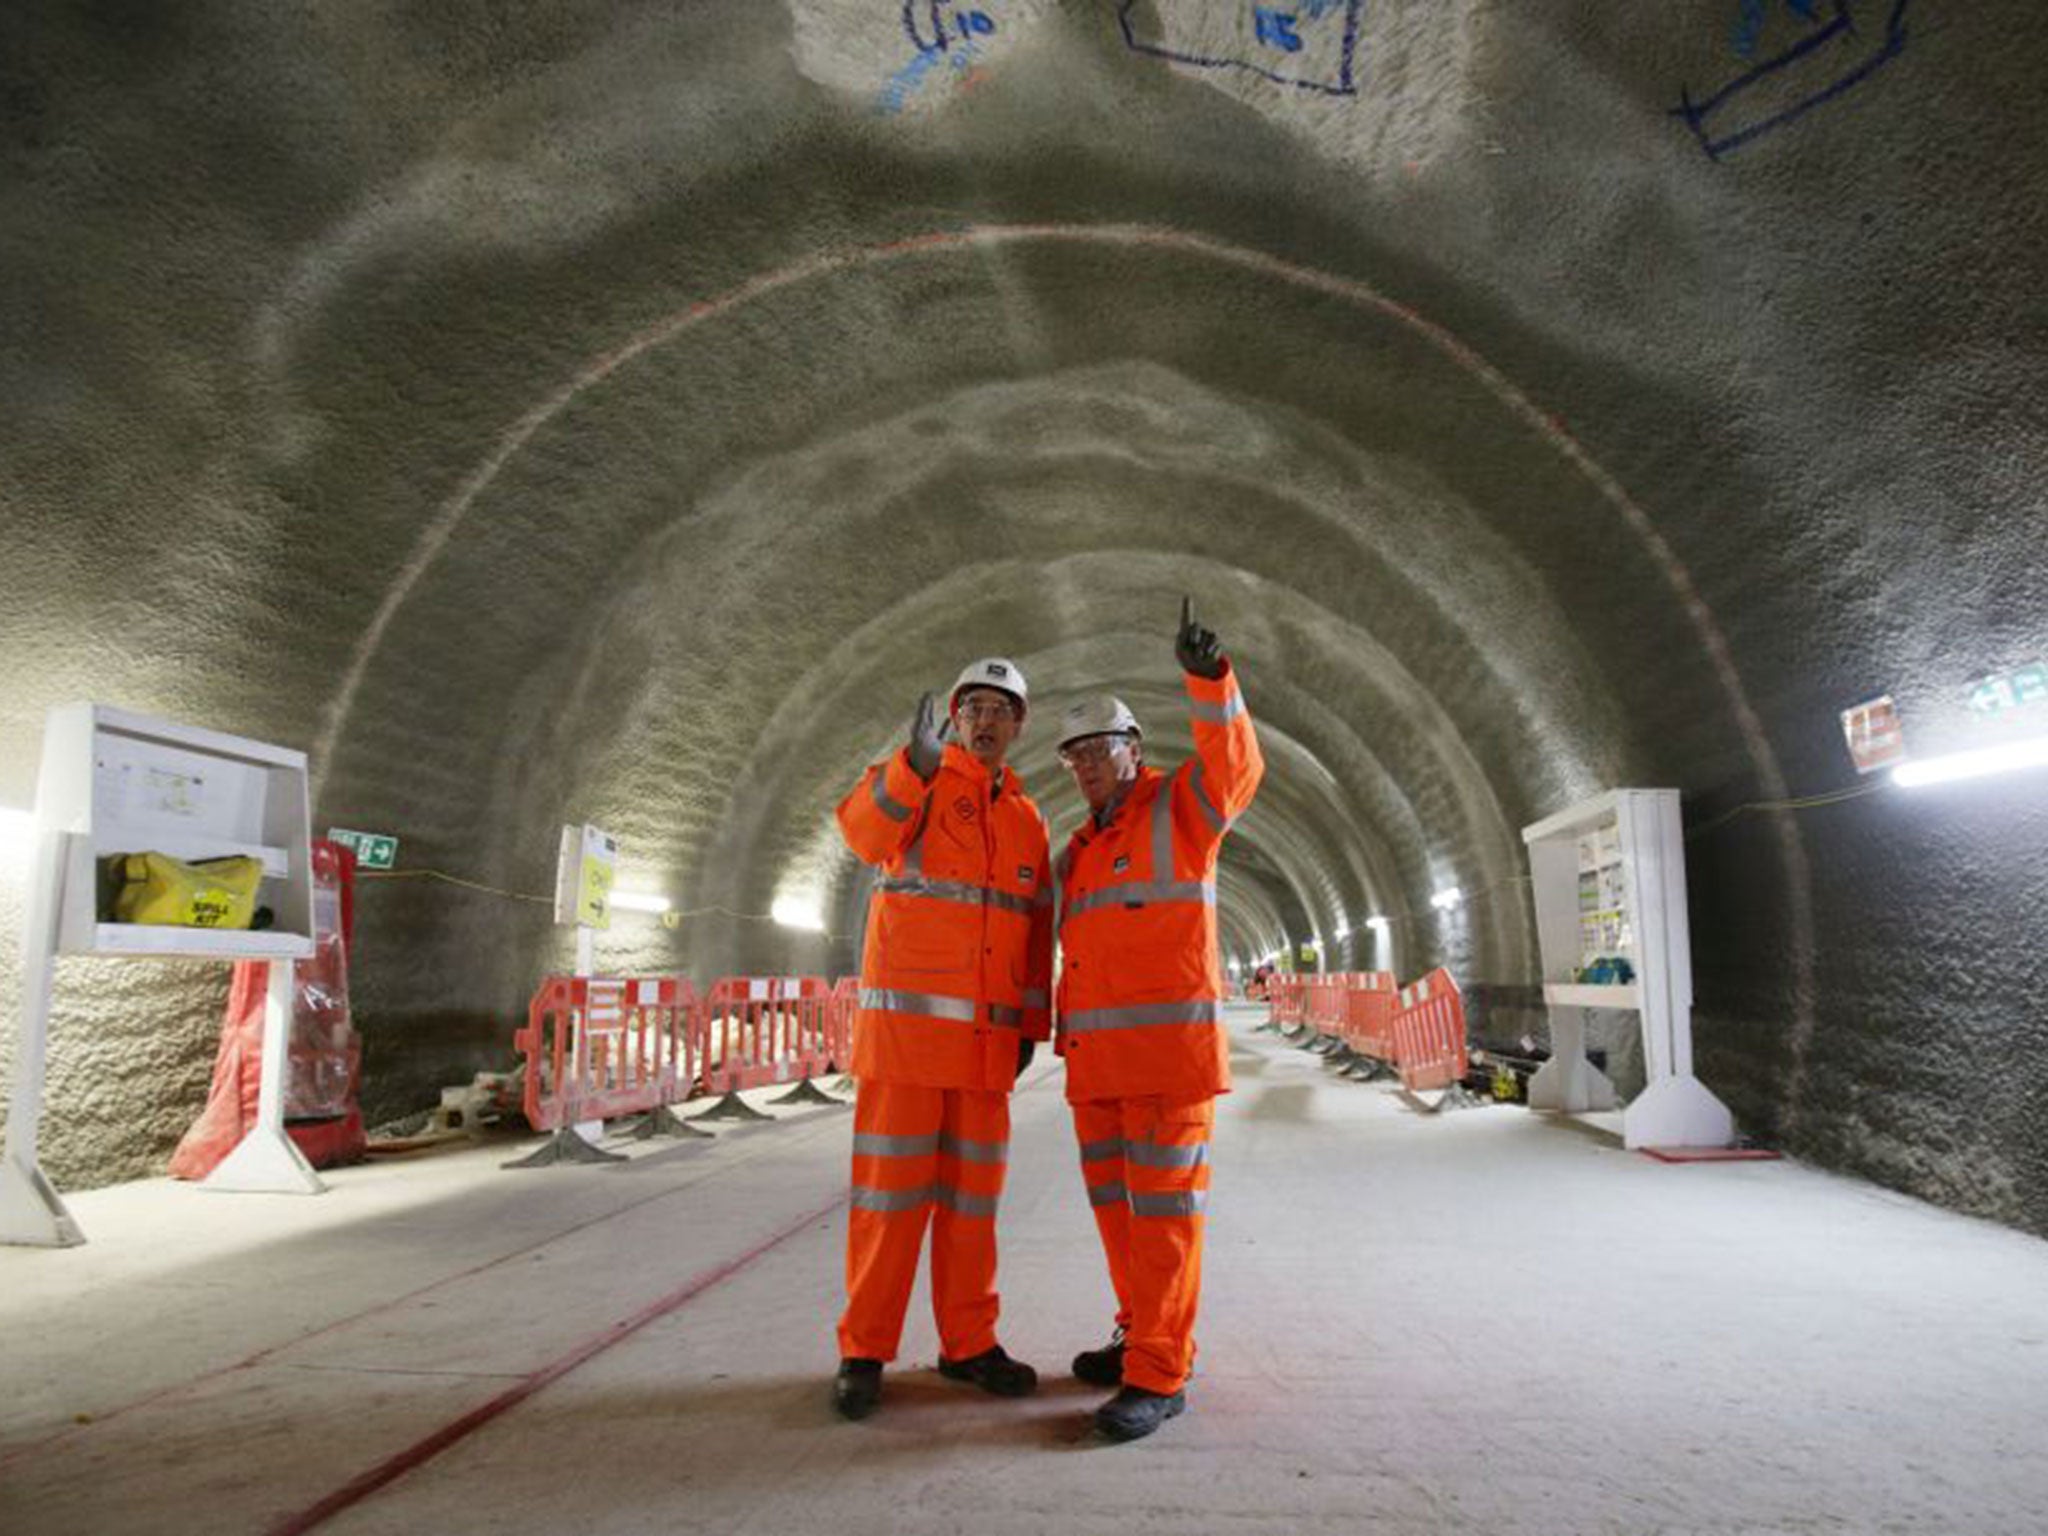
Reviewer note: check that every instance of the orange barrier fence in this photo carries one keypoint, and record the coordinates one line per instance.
(845, 1005)
(766, 1029)
(602, 1046)
(1429, 1033)
(1286, 1000)
(1367, 1022)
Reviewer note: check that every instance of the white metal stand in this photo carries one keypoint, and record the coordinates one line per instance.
(1629, 844)
(31, 1211)
(111, 783)
(267, 1161)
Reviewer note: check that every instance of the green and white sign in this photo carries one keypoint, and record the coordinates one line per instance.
(373, 850)
(2001, 691)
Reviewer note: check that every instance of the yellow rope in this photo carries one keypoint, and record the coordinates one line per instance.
(1801, 803)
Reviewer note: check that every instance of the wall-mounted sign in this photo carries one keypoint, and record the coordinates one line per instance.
(584, 867)
(373, 850)
(1875, 740)
(2001, 691)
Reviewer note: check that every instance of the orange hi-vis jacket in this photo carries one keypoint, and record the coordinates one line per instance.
(1141, 980)
(958, 959)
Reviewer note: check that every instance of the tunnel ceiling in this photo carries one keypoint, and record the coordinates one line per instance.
(623, 412)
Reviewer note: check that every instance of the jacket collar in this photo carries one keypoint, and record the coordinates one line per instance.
(1090, 828)
(967, 765)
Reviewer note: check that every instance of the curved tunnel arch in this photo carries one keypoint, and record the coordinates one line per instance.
(554, 418)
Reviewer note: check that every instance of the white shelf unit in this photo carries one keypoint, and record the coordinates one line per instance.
(1609, 880)
(114, 782)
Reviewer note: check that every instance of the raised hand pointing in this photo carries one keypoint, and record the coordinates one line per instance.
(1198, 649)
(927, 737)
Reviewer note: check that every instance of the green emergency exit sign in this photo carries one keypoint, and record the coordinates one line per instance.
(373, 850)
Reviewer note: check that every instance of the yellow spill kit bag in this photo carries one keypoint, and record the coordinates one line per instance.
(212, 893)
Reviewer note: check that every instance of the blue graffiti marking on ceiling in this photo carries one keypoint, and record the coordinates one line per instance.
(1835, 56)
(1304, 43)
(934, 27)
(1749, 25)
(932, 30)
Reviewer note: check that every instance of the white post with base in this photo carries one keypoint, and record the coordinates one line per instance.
(1608, 876)
(267, 1161)
(31, 1211)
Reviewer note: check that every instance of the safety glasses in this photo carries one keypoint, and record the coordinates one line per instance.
(1092, 749)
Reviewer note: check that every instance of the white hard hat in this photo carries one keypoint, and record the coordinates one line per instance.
(992, 672)
(1102, 715)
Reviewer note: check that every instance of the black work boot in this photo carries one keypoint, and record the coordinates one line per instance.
(1134, 1413)
(1102, 1367)
(857, 1388)
(992, 1371)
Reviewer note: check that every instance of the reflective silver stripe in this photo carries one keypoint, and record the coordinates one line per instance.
(1187, 1202)
(1200, 1011)
(937, 1007)
(913, 856)
(1218, 714)
(1096, 1151)
(1150, 1154)
(952, 890)
(1112, 1193)
(894, 1146)
(1198, 782)
(1034, 997)
(891, 807)
(866, 1199)
(1162, 832)
(1138, 892)
(964, 1204)
(975, 1151)
(1009, 1018)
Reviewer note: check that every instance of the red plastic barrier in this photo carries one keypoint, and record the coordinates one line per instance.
(603, 1046)
(765, 1029)
(1429, 1033)
(1286, 999)
(1368, 1023)
(845, 1005)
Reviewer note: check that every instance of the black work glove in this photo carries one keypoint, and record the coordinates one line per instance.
(927, 740)
(1198, 649)
(1026, 1049)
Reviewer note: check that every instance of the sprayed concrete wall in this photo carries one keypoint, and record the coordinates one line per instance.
(622, 412)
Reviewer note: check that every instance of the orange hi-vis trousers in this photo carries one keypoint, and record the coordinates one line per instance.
(1146, 1162)
(921, 1155)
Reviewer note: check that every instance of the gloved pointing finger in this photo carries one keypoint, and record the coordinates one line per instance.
(1197, 649)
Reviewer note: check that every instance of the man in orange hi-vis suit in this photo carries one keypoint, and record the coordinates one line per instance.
(953, 998)
(1141, 1013)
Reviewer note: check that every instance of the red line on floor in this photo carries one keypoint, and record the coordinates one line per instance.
(172, 1389)
(396, 1466)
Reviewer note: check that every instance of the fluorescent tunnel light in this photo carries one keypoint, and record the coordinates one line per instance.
(1447, 898)
(798, 912)
(1377, 922)
(638, 901)
(1972, 765)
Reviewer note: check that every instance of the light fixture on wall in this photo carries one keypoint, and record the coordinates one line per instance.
(640, 901)
(1447, 898)
(1377, 923)
(1972, 765)
(802, 912)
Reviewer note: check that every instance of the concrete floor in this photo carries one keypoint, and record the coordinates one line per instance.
(1476, 1321)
